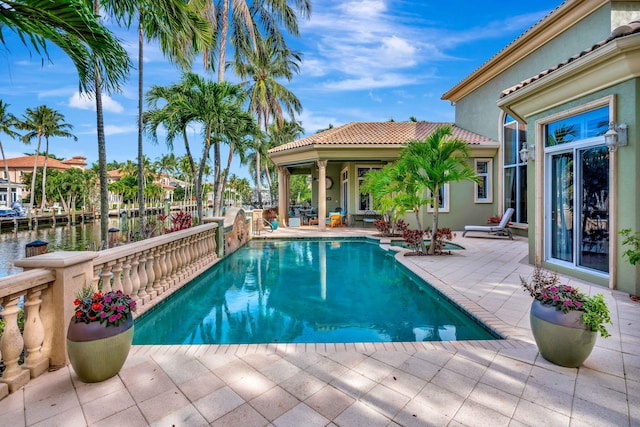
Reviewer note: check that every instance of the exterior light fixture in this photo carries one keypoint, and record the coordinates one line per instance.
(528, 152)
(616, 136)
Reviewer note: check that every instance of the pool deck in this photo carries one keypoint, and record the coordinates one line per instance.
(464, 383)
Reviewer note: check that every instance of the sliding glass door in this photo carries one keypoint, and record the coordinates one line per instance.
(577, 191)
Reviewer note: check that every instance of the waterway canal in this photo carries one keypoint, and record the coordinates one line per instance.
(62, 238)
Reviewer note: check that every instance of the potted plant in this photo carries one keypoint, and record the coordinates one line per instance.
(100, 333)
(564, 321)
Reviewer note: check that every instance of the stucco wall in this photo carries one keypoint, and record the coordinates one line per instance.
(478, 112)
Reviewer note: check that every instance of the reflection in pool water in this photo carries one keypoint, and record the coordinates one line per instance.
(306, 291)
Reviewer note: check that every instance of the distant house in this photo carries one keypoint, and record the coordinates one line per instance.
(18, 166)
(16, 192)
(559, 107)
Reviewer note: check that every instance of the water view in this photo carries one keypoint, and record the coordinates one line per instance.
(62, 238)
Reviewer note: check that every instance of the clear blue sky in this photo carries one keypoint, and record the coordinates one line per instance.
(369, 60)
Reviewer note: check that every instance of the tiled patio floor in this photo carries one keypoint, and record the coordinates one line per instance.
(466, 383)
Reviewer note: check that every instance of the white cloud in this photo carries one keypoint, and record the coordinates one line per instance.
(371, 82)
(87, 102)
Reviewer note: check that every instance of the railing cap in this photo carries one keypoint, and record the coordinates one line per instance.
(59, 259)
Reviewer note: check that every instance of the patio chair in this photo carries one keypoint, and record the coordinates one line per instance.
(369, 218)
(334, 219)
(500, 229)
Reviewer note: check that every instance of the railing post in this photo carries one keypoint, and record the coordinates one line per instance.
(73, 271)
(220, 236)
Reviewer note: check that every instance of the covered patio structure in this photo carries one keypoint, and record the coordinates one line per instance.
(337, 159)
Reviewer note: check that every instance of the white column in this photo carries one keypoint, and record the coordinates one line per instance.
(322, 194)
(283, 194)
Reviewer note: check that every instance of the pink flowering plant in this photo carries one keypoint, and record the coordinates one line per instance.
(545, 287)
(109, 308)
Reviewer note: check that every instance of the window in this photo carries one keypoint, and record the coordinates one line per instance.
(515, 171)
(365, 200)
(444, 200)
(482, 193)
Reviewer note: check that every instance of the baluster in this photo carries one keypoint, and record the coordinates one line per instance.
(213, 247)
(157, 270)
(117, 275)
(188, 253)
(12, 345)
(182, 260)
(105, 276)
(96, 276)
(197, 258)
(127, 286)
(151, 276)
(34, 332)
(179, 263)
(164, 270)
(142, 274)
(168, 251)
(135, 279)
(174, 263)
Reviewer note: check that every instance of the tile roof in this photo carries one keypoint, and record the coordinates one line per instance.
(619, 32)
(76, 161)
(378, 133)
(26, 162)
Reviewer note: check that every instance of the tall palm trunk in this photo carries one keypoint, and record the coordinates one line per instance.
(102, 147)
(434, 224)
(141, 181)
(44, 173)
(32, 198)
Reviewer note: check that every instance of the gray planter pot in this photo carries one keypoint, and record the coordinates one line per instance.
(562, 338)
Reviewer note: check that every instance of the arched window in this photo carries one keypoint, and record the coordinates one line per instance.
(514, 169)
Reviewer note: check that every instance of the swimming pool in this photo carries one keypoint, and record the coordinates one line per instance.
(303, 291)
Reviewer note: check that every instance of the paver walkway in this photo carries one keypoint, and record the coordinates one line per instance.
(466, 383)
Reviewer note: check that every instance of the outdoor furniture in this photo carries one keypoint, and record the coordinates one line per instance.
(369, 218)
(500, 229)
(334, 219)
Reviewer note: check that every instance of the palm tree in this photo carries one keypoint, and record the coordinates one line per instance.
(35, 122)
(435, 161)
(175, 25)
(215, 107)
(74, 28)
(55, 127)
(268, 97)
(7, 122)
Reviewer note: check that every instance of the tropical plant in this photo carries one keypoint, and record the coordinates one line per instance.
(261, 69)
(545, 287)
(181, 34)
(216, 107)
(74, 28)
(55, 127)
(42, 122)
(7, 123)
(435, 161)
(633, 240)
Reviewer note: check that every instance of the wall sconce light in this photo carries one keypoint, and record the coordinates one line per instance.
(528, 152)
(616, 136)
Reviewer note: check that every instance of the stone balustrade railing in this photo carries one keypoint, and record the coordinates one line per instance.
(148, 270)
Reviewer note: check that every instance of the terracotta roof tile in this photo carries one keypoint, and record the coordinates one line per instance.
(378, 133)
(26, 162)
(622, 31)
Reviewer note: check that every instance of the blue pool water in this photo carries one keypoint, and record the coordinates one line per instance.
(304, 291)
